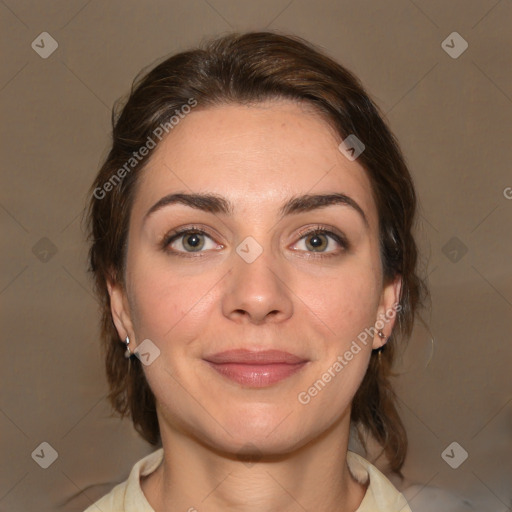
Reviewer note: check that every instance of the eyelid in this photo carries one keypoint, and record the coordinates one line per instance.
(176, 233)
(329, 231)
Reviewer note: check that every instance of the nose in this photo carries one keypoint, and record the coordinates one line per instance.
(257, 292)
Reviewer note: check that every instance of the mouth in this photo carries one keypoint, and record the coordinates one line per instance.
(256, 369)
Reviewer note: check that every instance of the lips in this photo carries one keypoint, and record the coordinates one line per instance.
(244, 356)
(256, 369)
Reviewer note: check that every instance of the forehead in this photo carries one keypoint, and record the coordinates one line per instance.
(256, 156)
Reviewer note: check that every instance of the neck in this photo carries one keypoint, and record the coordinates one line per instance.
(195, 477)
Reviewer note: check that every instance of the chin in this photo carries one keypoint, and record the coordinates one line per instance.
(271, 437)
(253, 448)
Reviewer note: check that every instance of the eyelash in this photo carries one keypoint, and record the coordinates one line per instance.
(175, 235)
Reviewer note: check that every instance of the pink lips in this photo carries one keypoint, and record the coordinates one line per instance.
(256, 369)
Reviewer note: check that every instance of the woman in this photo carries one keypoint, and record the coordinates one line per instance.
(251, 243)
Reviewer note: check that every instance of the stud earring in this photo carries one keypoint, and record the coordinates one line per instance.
(382, 336)
(127, 353)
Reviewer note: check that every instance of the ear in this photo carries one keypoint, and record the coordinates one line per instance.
(120, 310)
(387, 311)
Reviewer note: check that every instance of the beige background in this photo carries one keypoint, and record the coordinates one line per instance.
(453, 118)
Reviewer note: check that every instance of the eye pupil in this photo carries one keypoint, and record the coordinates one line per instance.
(193, 241)
(316, 241)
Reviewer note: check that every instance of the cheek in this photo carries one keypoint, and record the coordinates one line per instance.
(346, 306)
(167, 305)
(346, 302)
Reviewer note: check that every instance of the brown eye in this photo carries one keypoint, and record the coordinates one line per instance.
(317, 242)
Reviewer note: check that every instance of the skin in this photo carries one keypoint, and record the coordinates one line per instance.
(257, 157)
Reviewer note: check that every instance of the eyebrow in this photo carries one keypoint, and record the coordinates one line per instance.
(213, 203)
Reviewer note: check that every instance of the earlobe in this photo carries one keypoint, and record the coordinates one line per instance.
(120, 310)
(388, 309)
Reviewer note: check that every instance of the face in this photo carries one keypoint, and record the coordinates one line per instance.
(256, 271)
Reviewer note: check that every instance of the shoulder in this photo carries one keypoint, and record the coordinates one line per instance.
(381, 495)
(113, 501)
(128, 496)
(428, 498)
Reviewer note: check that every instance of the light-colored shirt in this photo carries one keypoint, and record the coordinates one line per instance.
(381, 495)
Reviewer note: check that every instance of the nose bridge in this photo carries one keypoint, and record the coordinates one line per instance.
(256, 287)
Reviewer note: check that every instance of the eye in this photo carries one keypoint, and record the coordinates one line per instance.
(321, 240)
(192, 241)
(188, 240)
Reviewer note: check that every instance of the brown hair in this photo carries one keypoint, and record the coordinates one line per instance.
(248, 68)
